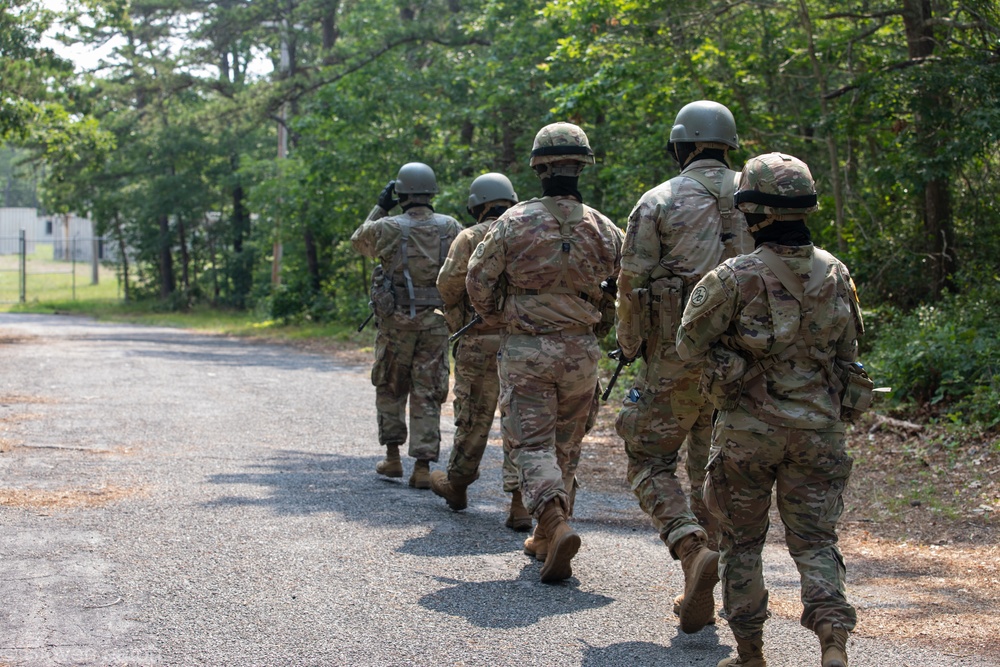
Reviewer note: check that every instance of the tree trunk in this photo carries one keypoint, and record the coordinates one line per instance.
(167, 284)
(936, 191)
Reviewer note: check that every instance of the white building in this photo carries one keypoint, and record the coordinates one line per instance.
(70, 236)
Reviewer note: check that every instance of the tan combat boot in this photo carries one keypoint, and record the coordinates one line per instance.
(518, 518)
(421, 477)
(390, 466)
(749, 653)
(450, 491)
(563, 542)
(677, 608)
(833, 640)
(538, 544)
(701, 574)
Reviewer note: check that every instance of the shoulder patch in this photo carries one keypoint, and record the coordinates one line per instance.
(699, 295)
(707, 294)
(480, 249)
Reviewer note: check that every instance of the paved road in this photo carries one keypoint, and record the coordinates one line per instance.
(170, 498)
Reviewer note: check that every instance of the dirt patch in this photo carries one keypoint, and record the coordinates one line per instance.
(66, 498)
(7, 338)
(22, 399)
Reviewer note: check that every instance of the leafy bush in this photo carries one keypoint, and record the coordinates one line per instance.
(945, 355)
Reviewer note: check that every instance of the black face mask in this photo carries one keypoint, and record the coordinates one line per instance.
(556, 186)
(781, 232)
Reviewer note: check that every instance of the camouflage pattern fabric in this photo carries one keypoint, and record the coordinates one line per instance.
(411, 365)
(411, 354)
(810, 468)
(477, 388)
(380, 237)
(675, 230)
(548, 358)
(781, 175)
(745, 302)
(546, 396)
(669, 413)
(785, 431)
(477, 385)
(525, 247)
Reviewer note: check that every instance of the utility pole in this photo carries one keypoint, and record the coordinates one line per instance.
(285, 66)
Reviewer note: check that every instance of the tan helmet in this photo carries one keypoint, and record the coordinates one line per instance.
(561, 141)
(491, 187)
(776, 185)
(416, 178)
(705, 121)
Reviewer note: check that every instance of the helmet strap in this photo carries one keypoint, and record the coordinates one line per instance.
(406, 202)
(702, 151)
(481, 212)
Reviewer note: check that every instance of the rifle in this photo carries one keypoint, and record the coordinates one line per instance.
(623, 361)
(461, 332)
(367, 319)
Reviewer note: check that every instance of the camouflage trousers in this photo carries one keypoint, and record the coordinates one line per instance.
(663, 412)
(546, 398)
(477, 388)
(810, 469)
(411, 365)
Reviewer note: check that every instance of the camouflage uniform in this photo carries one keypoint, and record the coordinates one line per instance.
(785, 428)
(552, 255)
(477, 385)
(411, 347)
(675, 235)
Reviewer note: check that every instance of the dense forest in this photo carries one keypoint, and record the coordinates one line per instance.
(239, 185)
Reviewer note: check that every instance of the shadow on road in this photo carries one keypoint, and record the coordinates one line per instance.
(699, 649)
(511, 604)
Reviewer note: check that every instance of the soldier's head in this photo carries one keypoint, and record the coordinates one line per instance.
(560, 149)
(415, 185)
(559, 154)
(490, 195)
(775, 187)
(702, 129)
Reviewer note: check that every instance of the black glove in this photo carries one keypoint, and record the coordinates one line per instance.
(386, 200)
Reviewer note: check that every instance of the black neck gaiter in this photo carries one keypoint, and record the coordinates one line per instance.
(783, 232)
(561, 186)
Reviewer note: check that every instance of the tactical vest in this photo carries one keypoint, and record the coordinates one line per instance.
(724, 195)
(588, 292)
(423, 246)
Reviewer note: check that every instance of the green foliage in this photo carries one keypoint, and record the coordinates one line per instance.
(946, 355)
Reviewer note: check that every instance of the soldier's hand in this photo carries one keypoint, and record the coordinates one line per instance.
(387, 198)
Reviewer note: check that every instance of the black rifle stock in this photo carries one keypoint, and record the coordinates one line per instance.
(461, 332)
(622, 363)
(367, 319)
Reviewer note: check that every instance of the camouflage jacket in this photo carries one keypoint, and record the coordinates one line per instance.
(451, 279)
(546, 273)
(674, 230)
(743, 306)
(380, 237)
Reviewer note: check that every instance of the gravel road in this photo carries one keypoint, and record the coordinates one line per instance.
(171, 498)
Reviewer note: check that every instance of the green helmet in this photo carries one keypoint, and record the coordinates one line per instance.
(491, 187)
(705, 122)
(561, 141)
(416, 178)
(777, 185)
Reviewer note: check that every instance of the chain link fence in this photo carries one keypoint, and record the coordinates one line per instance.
(51, 270)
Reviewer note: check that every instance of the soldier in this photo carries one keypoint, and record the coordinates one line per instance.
(538, 271)
(775, 329)
(677, 232)
(477, 384)
(411, 347)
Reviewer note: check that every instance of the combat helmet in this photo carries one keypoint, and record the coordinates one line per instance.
(491, 187)
(705, 121)
(561, 141)
(416, 178)
(778, 186)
